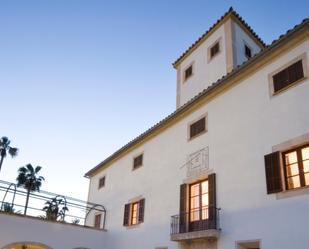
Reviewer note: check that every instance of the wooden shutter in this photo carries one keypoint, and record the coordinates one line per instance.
(288, 76)
(273, 173)
(97, 220)
(138, 161)
(126, 215)
(197, 127)
(141, 211)
(212, 203)
(183, 208)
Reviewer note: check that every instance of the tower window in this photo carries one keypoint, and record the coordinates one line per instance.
(248, 51)
(188, 72)
(215, 49)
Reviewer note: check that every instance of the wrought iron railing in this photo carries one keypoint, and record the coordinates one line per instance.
(49, 206)
(205, 218)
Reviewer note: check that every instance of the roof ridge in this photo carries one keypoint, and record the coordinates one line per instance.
(200, 95)
(229, 11)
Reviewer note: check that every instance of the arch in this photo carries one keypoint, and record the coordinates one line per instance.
(26, 245)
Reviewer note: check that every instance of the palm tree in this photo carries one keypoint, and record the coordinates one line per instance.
(55, 208)
(29, 179)
(5, 149)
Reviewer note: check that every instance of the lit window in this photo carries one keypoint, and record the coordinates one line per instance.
(199, 201)
(296, 163)
(134, 213)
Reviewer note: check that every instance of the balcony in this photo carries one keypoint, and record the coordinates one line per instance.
(201, 224)
(49, 207)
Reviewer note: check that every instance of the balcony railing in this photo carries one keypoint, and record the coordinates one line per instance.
(192, 224)
(58, 208)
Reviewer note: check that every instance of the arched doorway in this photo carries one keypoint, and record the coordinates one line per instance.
(26, 245)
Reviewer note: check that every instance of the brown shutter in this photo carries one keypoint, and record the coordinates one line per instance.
(212, 201)
(183, 208)
(141, 210)
(273, 173)
(126, 215)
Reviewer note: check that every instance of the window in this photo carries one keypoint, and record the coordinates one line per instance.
(199, 201)
(188, 72)
(291, 172)
(197, 127)
(248, 52)
(215, 49)
(296, 167)
(197, 209)
(250, 244)
(134, 213)
(138, 161)
(97, 221)
(102, 182)
(288, 76)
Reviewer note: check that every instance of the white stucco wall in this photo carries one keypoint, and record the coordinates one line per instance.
(243, 125)
(54, 235)
(240, 38)
(205, 71)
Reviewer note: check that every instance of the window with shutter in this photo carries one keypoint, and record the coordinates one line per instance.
(188, 72)
(134, 213)
(102, 182)
(97, 220)
(138, 161)
(288, 76)
(273, 173)
(183, 208)
(198, 127)
(212, 210)
(214, 49)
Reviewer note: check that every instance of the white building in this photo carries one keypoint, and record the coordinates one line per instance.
(230, 167)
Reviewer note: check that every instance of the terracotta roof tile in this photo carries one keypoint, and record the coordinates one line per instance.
(205, 92)
(230, 11)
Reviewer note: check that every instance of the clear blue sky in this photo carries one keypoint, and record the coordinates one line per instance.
(79, 79)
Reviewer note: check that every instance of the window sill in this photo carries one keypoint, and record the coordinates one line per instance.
(133, 226)
(292, 193)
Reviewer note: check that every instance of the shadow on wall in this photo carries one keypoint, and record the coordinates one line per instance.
(26, 245)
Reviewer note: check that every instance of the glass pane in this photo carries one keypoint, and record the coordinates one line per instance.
(307, 179)
(205, 213)
(305, 153)
(205, 200)
(290, 158)
(195, 202)
(204, 187)
(195, 189)
(306, 166)
(293, 182)
(292, 170)
(194, 215)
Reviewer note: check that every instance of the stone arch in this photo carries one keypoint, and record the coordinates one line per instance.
(28, 244)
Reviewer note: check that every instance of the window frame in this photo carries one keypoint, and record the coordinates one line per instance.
(205, 116)
(200, 195)
(132, 213)
(136, 201)
(300, 161)
(303, 58)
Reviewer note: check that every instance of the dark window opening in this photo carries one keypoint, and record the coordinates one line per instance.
(214, 50)
(188, 72)
(288, 76)
(248, 52)
(138, 161)
(102, 182)
(198, 127)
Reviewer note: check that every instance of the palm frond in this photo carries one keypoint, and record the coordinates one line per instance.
(13, 151)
